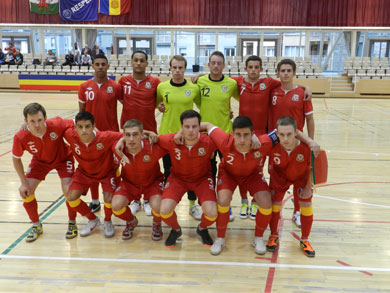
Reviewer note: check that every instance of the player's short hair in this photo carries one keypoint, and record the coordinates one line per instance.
(285, 121)
(32, 109)
(133, 123)
(242, 122)
(253, 58)
(287, 62)
(178, 58)
(84, 116)
(100, 56)
(219, 54)
(189, 114)
(140, 52)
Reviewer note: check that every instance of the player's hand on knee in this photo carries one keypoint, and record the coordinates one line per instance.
(24, 191)
(306, 193)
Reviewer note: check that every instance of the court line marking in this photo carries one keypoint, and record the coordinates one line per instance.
(195, 262)
(352, 201)
(348, 265)
(4, 153)
(358, 153)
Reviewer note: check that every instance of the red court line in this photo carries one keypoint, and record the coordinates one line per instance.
(263, 258)
(348, 265)
(348, 221)
(295, 236)
(5, 153)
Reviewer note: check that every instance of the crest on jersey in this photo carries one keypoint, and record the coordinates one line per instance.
(295, 97)
(188, 93)
(219, 181)
(53, 135)
(224, 88)
(110, 90)
(257, 154)
(99, 146)
(146, 158)
(201, 151)
(300, 157)
(262, 86)
(148, 85)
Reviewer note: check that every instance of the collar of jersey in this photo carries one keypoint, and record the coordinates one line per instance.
(178, 84)
(223, 76)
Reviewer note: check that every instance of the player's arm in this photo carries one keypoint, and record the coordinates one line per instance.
(236, 94)
(24, 189)
(159, 100)
(153, 137)
(195, 77)
(310, 125)
(308, 94)
(314, 147)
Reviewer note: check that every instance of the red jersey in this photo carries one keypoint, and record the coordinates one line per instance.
(237, 163)
(139, 100)
(144, 167)
(294, 166)
(95, 159)
(189, 163)
(289, 103)
(254, 101)
(47, 149)
(101, 102)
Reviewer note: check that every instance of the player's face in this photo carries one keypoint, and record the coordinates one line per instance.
(190, 129)
(36, 123)
(133, 138)
(253, 69)
(84, 129)
(216, 65)
(286, 73)
(139, 63)
(100, 66)
(178, 68)
(287, 136)
(242, 139)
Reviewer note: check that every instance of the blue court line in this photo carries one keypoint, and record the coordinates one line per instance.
(17, 241)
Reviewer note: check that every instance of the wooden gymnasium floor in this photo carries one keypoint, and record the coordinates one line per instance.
(350, 232)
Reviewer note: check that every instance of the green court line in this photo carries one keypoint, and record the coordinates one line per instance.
(17, 241)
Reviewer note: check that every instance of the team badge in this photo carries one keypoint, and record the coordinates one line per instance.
(219, 181)
(146, 158)
(224, 88)
(188, 93)
(201, 151)
(262, 86)
(257, 154)
(99, 146)
(110, 90)
(53, 135)
(295, 97)
(148, 85)
(300, 157)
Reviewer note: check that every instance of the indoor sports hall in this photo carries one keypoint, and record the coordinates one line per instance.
(341, 49)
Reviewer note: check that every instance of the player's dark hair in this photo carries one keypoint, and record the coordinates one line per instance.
(285, 121)
(219, 54)
(84, 116)
(178, 58)
(32, 109)
(99, 56)
(140, 52)
(286, 62)
(133, 123)
(242, 122)
(189, 114)
(253, 58)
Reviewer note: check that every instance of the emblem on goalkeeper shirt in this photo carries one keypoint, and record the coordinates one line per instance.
(295, 97)
(188, 93)
(224, 88)
(99, 146)
(300, 157)
(262, 86)
(53, 135)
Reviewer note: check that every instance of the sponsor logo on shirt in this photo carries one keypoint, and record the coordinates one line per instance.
(262, 86)
(30, 142)
(219, 181)
(188, 93)
(127, 82)
(300, 157)
(146, 158)
(53, 135)
(110, 90)
(89, 88)
(99, 146)
(166, 185)
(295, 97)
(148, 85)
(201, 151)
(224, 88)
(257, 154)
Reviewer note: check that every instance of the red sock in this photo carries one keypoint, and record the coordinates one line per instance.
(107, 212)
(205, 221)
(243, 192)
(94, 191)
(306, 222)
(296, 204)
(274, 223)
(171, 221)
(156, 217)
(71, 212)
(82, 208)
(262, 221)
(124, 214)
(222, 222)
(31, 208)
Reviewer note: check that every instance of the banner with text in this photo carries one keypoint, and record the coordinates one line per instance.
(79, 10)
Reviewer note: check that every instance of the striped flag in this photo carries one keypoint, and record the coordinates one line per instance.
(44, 6)
(114, 7)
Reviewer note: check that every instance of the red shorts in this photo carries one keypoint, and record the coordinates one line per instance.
(39, 170)
(81, 181)
(253, 183)
(279, 186)
(133, 192)
(203, 188)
